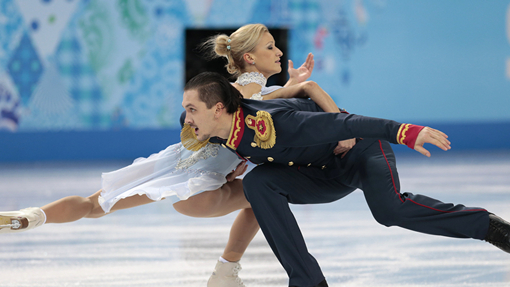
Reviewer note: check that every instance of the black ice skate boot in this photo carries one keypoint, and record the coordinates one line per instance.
(499, 233)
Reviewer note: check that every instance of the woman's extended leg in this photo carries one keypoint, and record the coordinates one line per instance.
(66, 209)
(214, 203)
(75, 207)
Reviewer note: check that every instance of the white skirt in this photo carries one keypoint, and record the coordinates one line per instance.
(173, 171)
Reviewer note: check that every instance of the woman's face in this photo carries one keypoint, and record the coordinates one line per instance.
(266, 56)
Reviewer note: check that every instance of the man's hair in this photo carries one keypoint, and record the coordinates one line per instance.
(213, 88)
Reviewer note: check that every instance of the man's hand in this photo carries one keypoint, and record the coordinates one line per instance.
(432, 136)
(240, 169)
(302, 73)
(344, 146)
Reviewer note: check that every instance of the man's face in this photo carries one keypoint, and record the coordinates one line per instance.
(198, 116)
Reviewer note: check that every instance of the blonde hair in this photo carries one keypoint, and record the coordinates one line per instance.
(243, 40)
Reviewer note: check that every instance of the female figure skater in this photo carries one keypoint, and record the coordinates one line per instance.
(203, 180)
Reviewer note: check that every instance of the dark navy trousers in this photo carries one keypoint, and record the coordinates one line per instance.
(369, 166)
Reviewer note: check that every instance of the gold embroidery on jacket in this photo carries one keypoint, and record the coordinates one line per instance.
(262, 124)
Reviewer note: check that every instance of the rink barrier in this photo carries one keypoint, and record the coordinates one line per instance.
(130, 144)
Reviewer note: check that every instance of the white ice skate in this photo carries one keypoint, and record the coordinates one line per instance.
(225, 275)
(22, 220)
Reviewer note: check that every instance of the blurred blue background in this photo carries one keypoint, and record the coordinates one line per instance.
(97, 79)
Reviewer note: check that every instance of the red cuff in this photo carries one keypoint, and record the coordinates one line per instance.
(407, 134)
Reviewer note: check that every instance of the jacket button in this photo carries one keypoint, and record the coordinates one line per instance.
(309, 164)
(291, 163)
(270, 159)
(253, 144)
(323, 167)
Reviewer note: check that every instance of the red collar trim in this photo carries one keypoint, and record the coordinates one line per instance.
(237, 129)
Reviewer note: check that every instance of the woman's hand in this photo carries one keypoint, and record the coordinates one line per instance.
(240, 169)
(344, 146)
(302, 73)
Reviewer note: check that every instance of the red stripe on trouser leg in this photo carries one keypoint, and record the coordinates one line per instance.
(391, 172)
(422, 205)
(476, 209)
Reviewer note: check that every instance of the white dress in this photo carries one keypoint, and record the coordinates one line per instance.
(173, 171)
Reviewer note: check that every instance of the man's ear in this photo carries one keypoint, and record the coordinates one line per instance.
(219, 108)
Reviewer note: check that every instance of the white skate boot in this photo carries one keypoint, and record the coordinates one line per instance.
(25, 219)
(225, 275)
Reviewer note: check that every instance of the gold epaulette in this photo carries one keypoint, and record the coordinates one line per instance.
(262, 124)
(189, 139)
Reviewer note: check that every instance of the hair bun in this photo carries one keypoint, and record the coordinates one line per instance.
(221, 45)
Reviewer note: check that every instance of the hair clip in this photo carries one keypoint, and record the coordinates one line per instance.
(228, 41)
(228, 47)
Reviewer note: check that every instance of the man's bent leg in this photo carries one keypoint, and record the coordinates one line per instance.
(269, 188)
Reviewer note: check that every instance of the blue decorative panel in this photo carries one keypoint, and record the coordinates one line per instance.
(9, 109)
(25, 68)
(11, 28)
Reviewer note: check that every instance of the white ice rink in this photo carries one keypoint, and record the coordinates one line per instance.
(153, 245)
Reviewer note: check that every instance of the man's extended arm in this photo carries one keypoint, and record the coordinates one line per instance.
(313, 128)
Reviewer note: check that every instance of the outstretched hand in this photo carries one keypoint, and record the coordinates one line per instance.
(432, 136)
(240, 169)
(302, 73)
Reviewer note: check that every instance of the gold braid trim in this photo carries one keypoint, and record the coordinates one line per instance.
(401, 136)
(399, 132)
(189, 139)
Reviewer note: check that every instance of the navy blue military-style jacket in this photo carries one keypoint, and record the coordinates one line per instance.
(297, 132)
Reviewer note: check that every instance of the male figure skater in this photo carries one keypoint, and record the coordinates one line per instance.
(295, 140)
